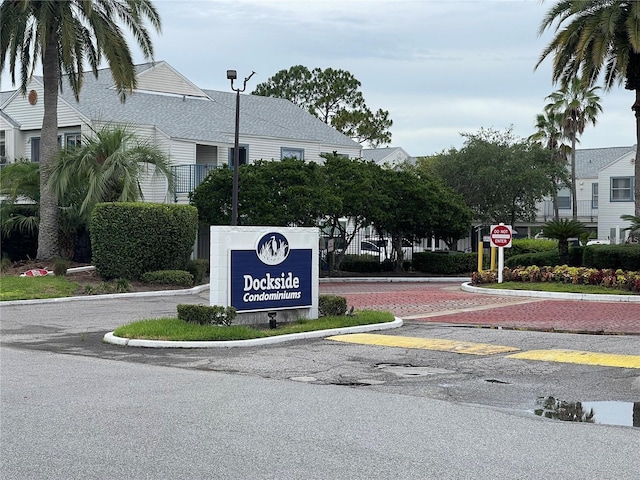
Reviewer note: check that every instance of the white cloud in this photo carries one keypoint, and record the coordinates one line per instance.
(440, 67)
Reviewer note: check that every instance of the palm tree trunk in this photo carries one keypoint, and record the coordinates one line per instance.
(48, 230)
(636, 110)
(574, 193)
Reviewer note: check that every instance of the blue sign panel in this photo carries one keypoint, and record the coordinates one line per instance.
(271, 277)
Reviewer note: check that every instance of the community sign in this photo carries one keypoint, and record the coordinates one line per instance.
(255, 269)
(271, 276)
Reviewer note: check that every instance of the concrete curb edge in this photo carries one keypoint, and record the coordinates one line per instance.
(254, 342)
(467, 287)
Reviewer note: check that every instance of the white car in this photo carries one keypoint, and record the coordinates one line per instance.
(598, 242)
(383, 250)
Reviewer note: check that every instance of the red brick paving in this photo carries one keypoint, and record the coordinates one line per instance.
(414, 299)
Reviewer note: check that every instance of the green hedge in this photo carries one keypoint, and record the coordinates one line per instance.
(445, 263)
(129, 239)
(206, 314)
(180, 278)
(539, 259)
(521, 246)
(364, 264)
(331, 305)
(626, 257)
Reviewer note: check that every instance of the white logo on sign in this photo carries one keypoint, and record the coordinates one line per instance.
(272, 248)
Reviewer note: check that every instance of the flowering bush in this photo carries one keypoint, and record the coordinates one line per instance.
(620, 279)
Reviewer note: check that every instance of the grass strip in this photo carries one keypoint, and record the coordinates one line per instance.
(29, 288)
(173, 329)
(556, 287)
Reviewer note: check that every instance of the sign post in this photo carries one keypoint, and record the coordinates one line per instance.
(500, 236)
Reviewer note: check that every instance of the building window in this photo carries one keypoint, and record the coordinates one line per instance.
(3, 147)
(72, 141)
(35, 149)
(242, 153)
(564, 198)
(621, 189)
(292, 153)
(594, 196)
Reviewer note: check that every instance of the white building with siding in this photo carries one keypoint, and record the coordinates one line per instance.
(193, 126)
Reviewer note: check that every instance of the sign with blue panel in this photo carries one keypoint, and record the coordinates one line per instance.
(273, 276)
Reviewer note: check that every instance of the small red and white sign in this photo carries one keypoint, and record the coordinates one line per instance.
(500, 236)
(36, 272)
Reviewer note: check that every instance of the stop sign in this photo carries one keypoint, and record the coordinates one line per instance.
(500, 235)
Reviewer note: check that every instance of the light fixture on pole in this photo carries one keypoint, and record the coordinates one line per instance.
(233, 75)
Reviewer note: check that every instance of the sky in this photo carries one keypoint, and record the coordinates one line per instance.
(440, 67)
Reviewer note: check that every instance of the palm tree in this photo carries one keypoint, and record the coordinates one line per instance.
(549, 134)
(105, 168)
(577, 105)
(20, 189)
(64, 35)
(599, 36)
(633, 229)
(563, 230)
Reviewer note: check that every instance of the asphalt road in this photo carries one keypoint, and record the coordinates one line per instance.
(74, 407)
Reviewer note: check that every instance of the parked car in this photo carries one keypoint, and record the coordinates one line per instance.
(382, 248)
(598, 242)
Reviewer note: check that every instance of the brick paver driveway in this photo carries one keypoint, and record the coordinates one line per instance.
(447, 303)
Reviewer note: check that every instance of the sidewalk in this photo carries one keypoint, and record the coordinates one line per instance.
(446, 303)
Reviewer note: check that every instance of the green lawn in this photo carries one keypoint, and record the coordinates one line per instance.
(173, 329)
(28, 288)
(555, 287)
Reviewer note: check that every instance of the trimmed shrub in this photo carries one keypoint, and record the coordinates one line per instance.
(364, 264)
(128, 239)
(331, 305)
(181, 278)
(206, 314)
(551, 257)
(521, 246)
(612, 256)
(60, 267)
(199, 268)
(444, 263)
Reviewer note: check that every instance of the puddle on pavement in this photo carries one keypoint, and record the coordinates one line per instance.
(604, 413)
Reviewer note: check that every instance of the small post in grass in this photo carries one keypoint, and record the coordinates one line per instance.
(272, 320)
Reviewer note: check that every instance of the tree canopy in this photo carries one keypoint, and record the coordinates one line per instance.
(334, 97)
(66, 36)
(341, 196)
(500, 176)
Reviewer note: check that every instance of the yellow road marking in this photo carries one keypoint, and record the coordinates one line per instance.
(582, 358)
(469, 348)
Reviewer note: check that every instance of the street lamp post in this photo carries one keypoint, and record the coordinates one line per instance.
(232, 75)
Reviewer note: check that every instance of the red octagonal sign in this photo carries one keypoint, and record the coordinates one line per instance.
(500, 236)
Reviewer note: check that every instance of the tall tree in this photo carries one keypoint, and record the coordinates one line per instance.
(334, 97)
(594, 37)
(64, 35)
(549, 133)
(577, 105)
(500, 176)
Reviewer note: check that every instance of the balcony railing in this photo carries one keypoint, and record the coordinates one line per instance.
(586, 211)
(188, 177)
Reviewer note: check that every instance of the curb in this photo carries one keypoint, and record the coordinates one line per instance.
(253, 342)
(467, 287)
(157, 293)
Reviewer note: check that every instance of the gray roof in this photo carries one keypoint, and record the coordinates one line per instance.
(378, 154)
(590, 160)
(202, 119)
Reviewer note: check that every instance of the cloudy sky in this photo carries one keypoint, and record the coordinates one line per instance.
(440, 67)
